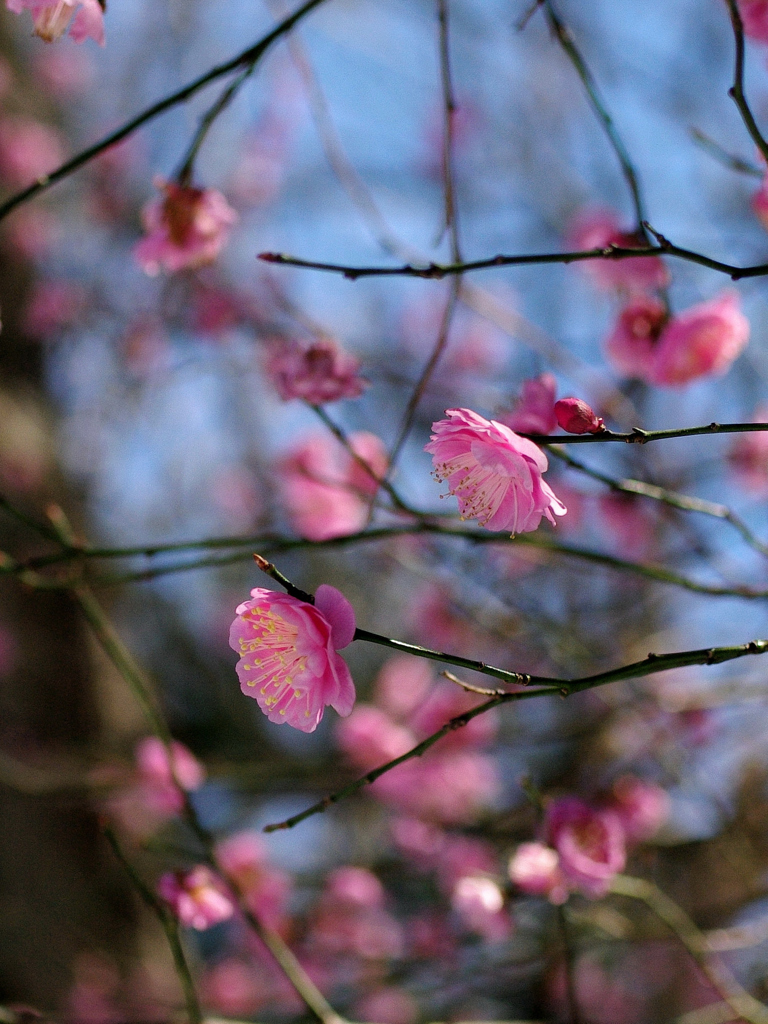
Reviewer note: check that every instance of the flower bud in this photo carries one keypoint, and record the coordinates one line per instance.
(575, 416)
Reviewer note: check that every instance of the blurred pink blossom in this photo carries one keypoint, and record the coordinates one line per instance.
(197, 897)
(234, 988)
(288, 660)
(599, 229)
(318, 373)
(388, 1005)
(590, 842)
(351, 918)
(157, 769)
(754, 15)
(495, 474)
(701, 341)
(479, 903)
(748, 455)
(630, 346)
(534, 411)
(627, 524)
(28, 150)
(186, 229)
(63, 72)
(402, 684)
(575, 416)
(51, 18)
(535, 868)
(52, 306)
(324, 488)
(243, 860)
(642, 807)
(370, 738)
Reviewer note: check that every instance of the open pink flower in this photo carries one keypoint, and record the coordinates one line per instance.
(495, 474)
(288, 660)
(754, 15)
(51, 18)
(589, 841)
(319, 373)
(599, 229)
(197, 897)
(187, 228)
(534, 411)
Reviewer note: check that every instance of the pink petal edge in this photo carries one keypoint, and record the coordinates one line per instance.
(339, 613)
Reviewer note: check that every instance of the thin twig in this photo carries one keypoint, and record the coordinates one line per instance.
(729, 160)
(248, 57)
(741, 1002)
(170, 927)
(382, 482)
(276, 545)
(452, 226)
(437, 271)
(554, 687)
(565, 38)
(667, 497)
(736, 92)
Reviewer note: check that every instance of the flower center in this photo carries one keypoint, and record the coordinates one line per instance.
(276, 660)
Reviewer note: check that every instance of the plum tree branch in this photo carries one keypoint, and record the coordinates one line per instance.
(247, 59)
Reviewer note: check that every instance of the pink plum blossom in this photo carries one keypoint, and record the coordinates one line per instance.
(156, 793)
(186, 228)
(242, 858)
(599, 229)
(351, 918)
(534, 411)
(702, 341)
(754, 16)
(156, 768)
(748, 455)
(197, 897)
(642, 807)
(479, 904)
(575, 416)
(288, 660)
(760, 198)
(630, 346)
(590, 843)
(495, 474)
(535, 868)
(370, 738)
(318, 373)
(325, 490)
(51, 18)
(387, 1005)
(28, 150)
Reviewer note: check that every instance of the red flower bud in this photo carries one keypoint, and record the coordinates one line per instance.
(575, 416)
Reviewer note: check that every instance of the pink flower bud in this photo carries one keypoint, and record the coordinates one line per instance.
(575, 416)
